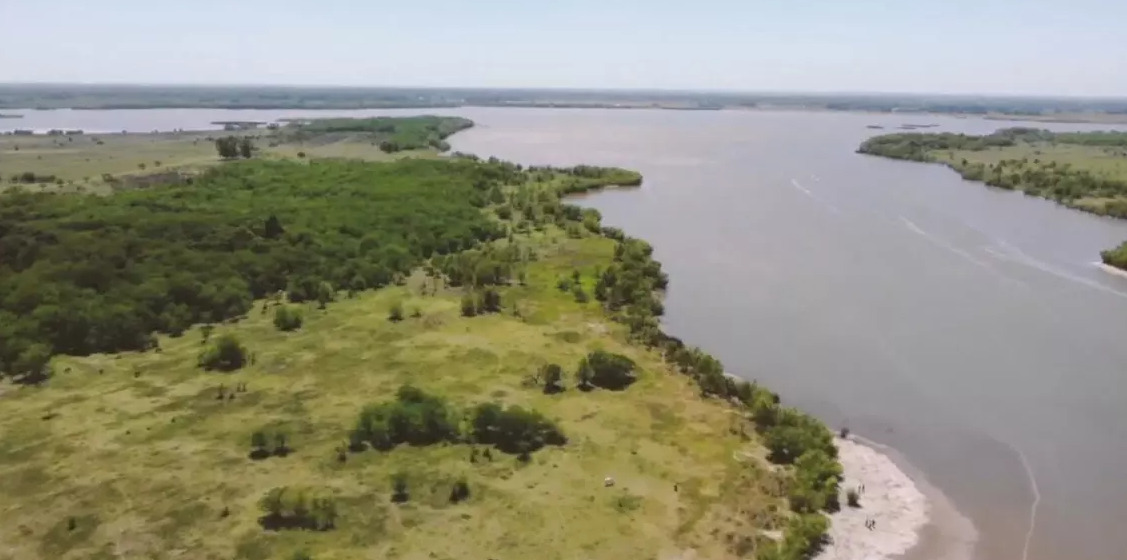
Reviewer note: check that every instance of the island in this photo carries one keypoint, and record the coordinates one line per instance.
(1082, 170)
(408, 355)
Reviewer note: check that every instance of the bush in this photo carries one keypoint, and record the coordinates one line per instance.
(460, 491)
(853, 498)
(399, 490)
(395, 314)
(225, 354)
(287, 318)
(289, 508)
(552, 375)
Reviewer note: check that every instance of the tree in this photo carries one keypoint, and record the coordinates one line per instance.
(608, 370)
(469, 305)
(258, 443)
(491, 300)
(225, 354)
(31, 364)
(228, 147)
(246, 147)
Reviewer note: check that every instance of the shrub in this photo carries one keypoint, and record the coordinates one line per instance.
(853, 498)
(395, 314)
(225, 354)
(289, 508)
(287, 318)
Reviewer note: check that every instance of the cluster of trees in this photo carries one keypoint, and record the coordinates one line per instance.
(84, 274)
(297, 508)
(414, 417)
(234, 147)
(392, 134)
(629, 288)
(419, 418)
(481, 302)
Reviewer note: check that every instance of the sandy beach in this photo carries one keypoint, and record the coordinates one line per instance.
(912, 520)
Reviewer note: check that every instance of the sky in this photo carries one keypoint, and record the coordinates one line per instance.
(1022, 47)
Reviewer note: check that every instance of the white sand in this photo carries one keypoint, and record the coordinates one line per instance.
(1111, 269)
(890, 498)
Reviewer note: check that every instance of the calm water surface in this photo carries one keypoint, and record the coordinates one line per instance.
(966, 327)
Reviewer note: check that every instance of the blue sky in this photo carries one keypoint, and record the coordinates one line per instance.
(1035, 47)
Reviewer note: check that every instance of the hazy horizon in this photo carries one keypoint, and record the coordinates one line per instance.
(1039, 48)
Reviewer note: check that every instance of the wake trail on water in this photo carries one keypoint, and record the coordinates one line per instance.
(798, 186)
(954, 250)
(1036, 501)
(1015, 255)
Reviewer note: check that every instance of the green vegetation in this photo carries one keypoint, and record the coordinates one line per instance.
(226, 353)
(469, 459)
(288, 318)
(391, 134)
(72, 279)
(1082, 170)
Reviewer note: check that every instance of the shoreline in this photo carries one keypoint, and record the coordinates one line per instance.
(914, 520)
(1111, 269)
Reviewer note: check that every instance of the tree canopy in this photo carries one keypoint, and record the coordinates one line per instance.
(85, 274)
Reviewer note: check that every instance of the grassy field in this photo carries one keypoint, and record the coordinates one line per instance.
(1103, 162)
(78, 163)
(134, 456)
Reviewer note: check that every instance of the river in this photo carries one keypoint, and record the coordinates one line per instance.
(966, 327)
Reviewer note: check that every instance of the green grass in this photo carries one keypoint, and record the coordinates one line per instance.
(80, 161)
(139, 451)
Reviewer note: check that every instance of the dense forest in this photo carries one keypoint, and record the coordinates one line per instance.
(391, 134)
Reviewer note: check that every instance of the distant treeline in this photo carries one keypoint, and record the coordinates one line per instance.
(275, 97)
